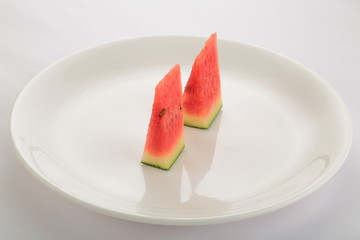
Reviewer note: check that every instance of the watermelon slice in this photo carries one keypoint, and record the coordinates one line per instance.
(202, 96)
(165, 137)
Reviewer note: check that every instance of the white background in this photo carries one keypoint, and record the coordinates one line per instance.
(324, 35)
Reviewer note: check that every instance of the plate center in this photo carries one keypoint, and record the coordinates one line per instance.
(102, 133)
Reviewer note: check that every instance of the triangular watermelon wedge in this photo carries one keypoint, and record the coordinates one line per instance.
(202, 96)
(165, 137)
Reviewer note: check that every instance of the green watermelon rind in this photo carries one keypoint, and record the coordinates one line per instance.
(154, 161)
(201, 122)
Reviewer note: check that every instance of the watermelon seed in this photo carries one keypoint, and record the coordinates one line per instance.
(188, 88)
(162, 113)
(180, 107)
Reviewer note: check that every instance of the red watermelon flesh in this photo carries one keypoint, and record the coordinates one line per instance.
(165, 137)
(202, 96)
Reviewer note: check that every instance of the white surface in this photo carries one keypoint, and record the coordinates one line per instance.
(80, 126)
(323, 35)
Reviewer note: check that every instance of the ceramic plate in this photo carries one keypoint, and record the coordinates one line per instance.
(80, 127)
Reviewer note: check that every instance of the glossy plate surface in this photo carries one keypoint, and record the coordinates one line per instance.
(80, 127)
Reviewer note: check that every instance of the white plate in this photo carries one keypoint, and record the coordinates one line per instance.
(80, 127)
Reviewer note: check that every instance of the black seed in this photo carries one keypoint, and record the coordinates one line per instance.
(162, 113)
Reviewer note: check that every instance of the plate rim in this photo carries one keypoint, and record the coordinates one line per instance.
(177, 221)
